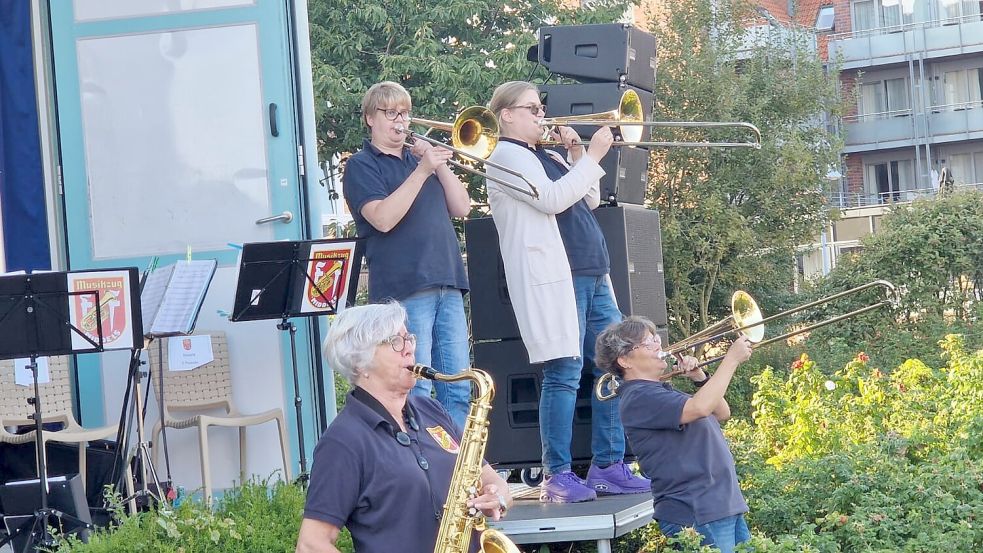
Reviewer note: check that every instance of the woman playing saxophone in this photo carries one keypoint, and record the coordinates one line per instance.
(384, 466)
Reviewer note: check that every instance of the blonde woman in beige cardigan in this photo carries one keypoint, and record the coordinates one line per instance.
(556, 267)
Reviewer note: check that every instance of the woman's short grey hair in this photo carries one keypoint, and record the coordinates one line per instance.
(354, 334)
(618, 340)
(507, 94)
(384, 94)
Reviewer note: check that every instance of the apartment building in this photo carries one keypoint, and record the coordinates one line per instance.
(917, 69)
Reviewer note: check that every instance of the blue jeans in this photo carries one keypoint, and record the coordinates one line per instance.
(436, 316)
(724, 534)
(596, 311)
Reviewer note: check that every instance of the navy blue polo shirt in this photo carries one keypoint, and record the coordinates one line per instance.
(362, 478)
(587, 252)
(692, 470)
(422, 250)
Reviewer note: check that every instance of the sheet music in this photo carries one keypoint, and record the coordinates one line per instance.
(153, 294)
(183, 297)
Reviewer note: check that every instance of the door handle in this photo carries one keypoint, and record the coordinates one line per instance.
(286, 217)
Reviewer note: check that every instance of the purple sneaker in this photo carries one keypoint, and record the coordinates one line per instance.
(565, 487)
(616, 479)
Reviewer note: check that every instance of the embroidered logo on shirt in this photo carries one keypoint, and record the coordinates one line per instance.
(443, 439)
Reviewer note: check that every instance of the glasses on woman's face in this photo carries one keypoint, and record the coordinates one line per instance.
(399, 341)
(535, 109)
(392, 114)
(651, 343)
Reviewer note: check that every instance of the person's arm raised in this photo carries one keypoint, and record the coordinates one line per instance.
(385, 214)
(709, 399)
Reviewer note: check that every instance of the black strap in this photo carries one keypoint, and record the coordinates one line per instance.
(374, 404)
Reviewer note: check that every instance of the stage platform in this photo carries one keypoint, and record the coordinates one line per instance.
(609, 517)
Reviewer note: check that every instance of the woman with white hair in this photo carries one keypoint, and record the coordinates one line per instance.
(383, 467)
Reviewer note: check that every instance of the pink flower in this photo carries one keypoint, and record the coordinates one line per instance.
(863, 357)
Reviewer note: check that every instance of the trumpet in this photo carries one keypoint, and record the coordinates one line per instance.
(630, 120)
(746, 320)
(474, 135)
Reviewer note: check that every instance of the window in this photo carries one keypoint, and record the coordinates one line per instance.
(876, 14)
(885, 182)
(964, 168)
(955, 11)
(961, 88)
(881, 99)
(824, 21)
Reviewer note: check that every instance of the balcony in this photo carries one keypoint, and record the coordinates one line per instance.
(903, 128)
(889, 45)
(879, 131)
(851, 200)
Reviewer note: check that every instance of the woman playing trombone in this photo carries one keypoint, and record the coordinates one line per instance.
(556, 267)
(402, 201)
(676, 436)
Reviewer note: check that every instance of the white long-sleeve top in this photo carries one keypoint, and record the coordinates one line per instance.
(536, 267)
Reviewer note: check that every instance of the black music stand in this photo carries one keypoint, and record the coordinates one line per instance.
(36, 321)
(280, 280)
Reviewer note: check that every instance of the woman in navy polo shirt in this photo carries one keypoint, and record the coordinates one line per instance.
(676, 436)
(383, 467)
(402, 200)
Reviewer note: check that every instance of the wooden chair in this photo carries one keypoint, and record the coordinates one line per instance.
(56, 407)
(206, 388)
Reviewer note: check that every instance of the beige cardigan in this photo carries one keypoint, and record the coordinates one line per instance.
(536, 268)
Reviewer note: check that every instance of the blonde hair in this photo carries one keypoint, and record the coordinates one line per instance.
(384, 93)
(507, 94)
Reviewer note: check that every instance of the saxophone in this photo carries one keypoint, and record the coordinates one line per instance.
(458, 520)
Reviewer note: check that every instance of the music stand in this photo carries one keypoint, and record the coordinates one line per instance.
(282, 280)
(37, 320)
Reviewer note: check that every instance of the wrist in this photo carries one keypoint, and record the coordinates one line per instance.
(700, 383)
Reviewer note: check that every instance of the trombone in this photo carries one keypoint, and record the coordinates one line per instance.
(474, 135)
(630, 120)
(746, 319)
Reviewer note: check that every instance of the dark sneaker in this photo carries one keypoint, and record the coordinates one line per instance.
(565, 487)
(616, 479)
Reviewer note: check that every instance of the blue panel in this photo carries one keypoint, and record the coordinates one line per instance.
(25, 226)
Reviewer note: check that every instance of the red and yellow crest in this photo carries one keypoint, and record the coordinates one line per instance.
(111, 303)
(444, 439)
(328, 271)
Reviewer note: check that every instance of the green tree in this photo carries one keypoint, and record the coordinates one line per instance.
(732, 218)
(449, 55)
(932, 250)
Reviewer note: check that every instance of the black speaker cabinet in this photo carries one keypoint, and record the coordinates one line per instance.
(492, 317)
(635, 247)
(513, 432)
(625, 175)
(594, 98)
(634, 242)
(611, 52)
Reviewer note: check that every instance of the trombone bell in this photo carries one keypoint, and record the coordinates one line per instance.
(747, 316)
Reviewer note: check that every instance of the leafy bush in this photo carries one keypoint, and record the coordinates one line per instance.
(254, 517)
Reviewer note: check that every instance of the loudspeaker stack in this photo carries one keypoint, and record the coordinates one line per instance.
(606, 60)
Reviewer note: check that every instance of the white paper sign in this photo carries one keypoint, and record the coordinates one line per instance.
(24, 377)
(185, 353)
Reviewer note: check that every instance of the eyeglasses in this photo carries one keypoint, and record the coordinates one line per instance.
(392, 114)
(534, 109)
(399, 341)
(652, 343)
